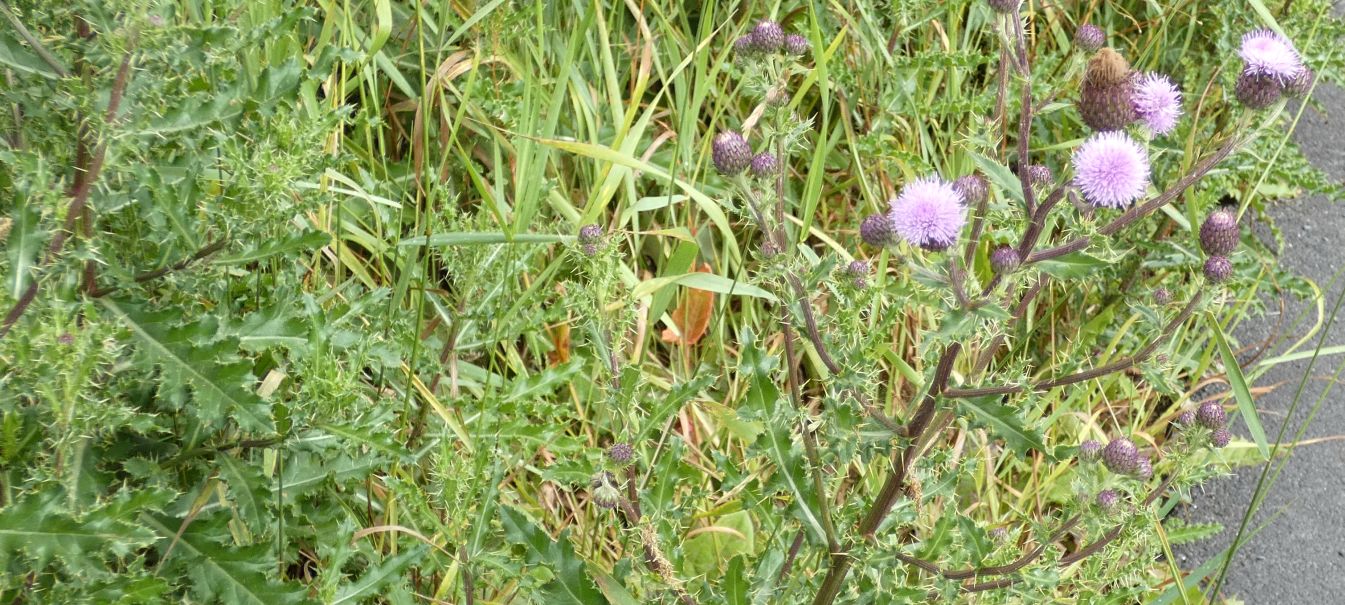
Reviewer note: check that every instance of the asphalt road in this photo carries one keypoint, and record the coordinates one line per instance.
(1300, 557)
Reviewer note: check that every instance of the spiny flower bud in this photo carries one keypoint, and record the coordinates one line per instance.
(1004, 259)
(1004, 6)
(1219, 233)
(1300, 84)
(1090, 451)
(1144, 470)
(621, 454)
(1107, 499)
(763, 165)
(999, 534)
(1186, 419)
(745, 48)
(1162, 296)
(605, 494)
(1106, 98)
(1089, 38)
(1258, 91)
(973, 188)
(858, 272)
(877, 230)
(1218, 269)
(769, 36)
(1120, 456)
(769, 250)
(777, 96)
(1211, 415)
(590, 234)
(1220, 438)
(1040, 176)
(796, 45)
(731, 153)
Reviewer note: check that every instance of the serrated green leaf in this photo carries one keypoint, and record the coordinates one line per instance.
(1073, 265)
(1004, 422)
(22, 245)
(388, 571)
(571, 583)
(247, 489)
(222, 572)
(37, 526)
(300, 242)
(1000, 175)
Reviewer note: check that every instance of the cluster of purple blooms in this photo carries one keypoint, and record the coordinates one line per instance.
(732, 155)
(1271, 69)
(1211, 416)
(768, 37)
(1219, 236)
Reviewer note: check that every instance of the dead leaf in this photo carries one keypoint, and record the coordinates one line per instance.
(692, 314)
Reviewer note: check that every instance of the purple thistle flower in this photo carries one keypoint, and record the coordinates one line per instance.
(769, 36)
(590, 234)
(973, 188)
(1211, 415)
(1107, 499)
(1162, 296)
(877, 230)
(1186, 419)
(745, 47)
(1111, 169)
(1301, 83)
(1105, 98)
(1257, 91)
(1218, 269)
(1004, 6)
(1157, 102)
(1004, 259)
(1219, 233)
(1220, 438)
(1144, 469)
(796, 44)
(1090, 451)
(621, 454)
(1266, 53)
(1089, 37)
(763, 165)
(1040, 175)
(858, 272)
(1120, 456)
(731, 153)
(929, 213)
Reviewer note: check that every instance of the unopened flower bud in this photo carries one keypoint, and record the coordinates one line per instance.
(1218, 269)
(1004, 259)
(769, 35)
(1040, 176)
(1211, 415)
(973, 188)
(769, 250)
(1106, 98)
(1300, 84)
(1144, 469)
(1219, 233)
(1089, 38)
(590, 234)
(796, 45)
(731, 153)
(858, 272)
(1186, 419)
(877, 230)
(777, 96)
(1162, 296)
(1004, 6)
(763, 165)
(745, 48)
(1258, 91)
(1220, 438)
(1120, 456)
(1107, 500)
(1090, 451)
(621, 454)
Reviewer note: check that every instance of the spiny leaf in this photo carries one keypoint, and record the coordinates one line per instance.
(1004, 422)
(391, 569)
(571, 583)
(36, 525)
(222, 572)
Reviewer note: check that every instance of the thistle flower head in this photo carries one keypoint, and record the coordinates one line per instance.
(745, 47)
(1158, 103)
(763, 165)
(1107, 499)
(1106, 98)
(1218, 269)
(1004, 259)
(1211, 415)
(1144, 469)
(769, 36)
(621, 454)
(1162, 296)
(796, 45)
(769, 250)
(1040, 175)
(1111, 169)
(1004, 6)
(1220, 438)
(878, 231)
(1258, 91)
(929, 213)
(1186, 419)
(858, 272)
(731, 153)
(777, 96)
(1089, 38)
(1219, 233)
(604, 493)
(590, 234)
(1120, 456)
(1090, 451)
(973, 188)
(1301, 83)
(1267, 53)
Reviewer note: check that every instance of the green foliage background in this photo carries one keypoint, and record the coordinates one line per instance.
(323, 333)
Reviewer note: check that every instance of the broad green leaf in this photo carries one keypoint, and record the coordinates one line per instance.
(221, 571)
(14, 54)
(611, 587)
(305, 241)
(22, 246)
(38, 526)
(571, 583)
(477, 239)
(736, 582)
(1236, 381)
(1004, 422)
(713, 546)
(1073, 265)
(1000, 175)
(390, 570)
(702, 281)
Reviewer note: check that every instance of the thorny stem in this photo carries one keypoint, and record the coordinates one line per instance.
(653, 559)
(1025, 119)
